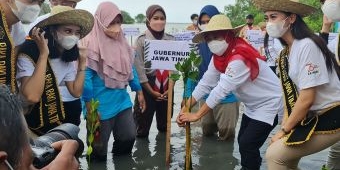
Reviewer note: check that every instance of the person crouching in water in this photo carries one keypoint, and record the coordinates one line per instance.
(238, 68)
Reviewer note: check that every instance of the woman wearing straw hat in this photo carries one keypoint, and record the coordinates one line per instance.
(45, 62)
(310, 84)
(237, 67)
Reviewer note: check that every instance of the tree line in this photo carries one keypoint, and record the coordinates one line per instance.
(238, 12)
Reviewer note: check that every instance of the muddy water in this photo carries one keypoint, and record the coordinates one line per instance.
(207, 152)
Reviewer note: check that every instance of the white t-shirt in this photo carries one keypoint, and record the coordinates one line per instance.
(307, 68)
(262, 97)
(62, 70)
(18, 33)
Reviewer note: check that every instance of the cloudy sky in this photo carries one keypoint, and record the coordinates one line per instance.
(178, 11)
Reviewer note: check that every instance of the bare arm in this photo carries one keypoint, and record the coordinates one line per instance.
(32, 87)
(301, 108)
(76, 87)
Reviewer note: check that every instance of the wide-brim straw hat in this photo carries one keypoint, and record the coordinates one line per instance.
(218, 22)
(65, 15)
(292, 6)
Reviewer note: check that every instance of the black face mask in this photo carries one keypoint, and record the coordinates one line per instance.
(250, 24)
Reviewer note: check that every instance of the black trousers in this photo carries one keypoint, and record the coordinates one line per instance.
(144, 120)
(251, 137)
(72, 112)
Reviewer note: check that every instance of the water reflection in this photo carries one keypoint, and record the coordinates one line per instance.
(216, 154)
(150, 155)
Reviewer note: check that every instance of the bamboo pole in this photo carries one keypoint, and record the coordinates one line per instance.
(188, 163)
(168, 125)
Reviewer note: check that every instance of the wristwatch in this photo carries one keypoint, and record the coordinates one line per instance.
(284, 130)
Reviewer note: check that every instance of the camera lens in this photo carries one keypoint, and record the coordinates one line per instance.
(62, 132)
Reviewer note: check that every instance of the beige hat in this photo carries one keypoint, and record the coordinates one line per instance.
(218, 22)
(293, 6)
(68, 15)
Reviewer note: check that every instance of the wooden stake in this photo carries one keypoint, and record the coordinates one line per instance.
(168, 125)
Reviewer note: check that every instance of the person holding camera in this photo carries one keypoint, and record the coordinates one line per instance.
(15, 150)
(45, 63)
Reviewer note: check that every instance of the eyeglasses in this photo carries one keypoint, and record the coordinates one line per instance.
(9, 165)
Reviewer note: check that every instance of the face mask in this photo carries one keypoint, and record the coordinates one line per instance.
(276, 30)
(194, 21)
(157, 25)
(26, 13)
(67, 42)
(331, 8)
(113, 31)
(218, 47)
(202, 27)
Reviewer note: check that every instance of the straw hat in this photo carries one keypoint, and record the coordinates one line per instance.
(68, 15)
(293, 6)
(218, 22)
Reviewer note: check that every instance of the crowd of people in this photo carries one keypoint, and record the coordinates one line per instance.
(49, 75)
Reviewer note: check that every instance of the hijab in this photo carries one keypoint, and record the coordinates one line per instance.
(110, 58)
(149, 13)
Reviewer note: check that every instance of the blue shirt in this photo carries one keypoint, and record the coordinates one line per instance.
(206, 55)
(111, 101)
(190, 86)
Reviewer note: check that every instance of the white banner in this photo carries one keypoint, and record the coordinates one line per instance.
(256, 39)
(164, 55)
(332, 36)
(184, 36)
(131, 31)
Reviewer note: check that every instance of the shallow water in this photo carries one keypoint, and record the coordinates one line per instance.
(207, 152)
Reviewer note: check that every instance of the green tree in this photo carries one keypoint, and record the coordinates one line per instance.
(140, 18)
(238, 12)
(242, 8)
(314, 21)
(127, 19)
(45, 9)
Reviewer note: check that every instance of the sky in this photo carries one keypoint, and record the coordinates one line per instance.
(177, 11)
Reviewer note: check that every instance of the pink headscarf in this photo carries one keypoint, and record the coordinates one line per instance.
(110, 58)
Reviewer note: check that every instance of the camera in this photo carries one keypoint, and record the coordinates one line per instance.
(41, 146)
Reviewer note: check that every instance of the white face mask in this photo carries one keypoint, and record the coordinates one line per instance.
(331, 8)
(218, 47)
(67, 42)
(26, 13)
(202, 27)
(276, 30)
